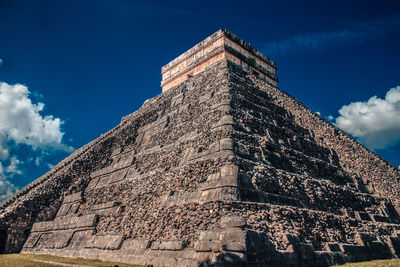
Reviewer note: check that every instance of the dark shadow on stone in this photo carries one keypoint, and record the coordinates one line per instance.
(3, 238)
(226, 259)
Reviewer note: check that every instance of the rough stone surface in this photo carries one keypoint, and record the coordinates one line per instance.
(221, 169)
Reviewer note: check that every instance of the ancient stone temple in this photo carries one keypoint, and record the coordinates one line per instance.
(221, 168)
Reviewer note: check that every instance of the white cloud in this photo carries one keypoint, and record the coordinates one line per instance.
(22, 123)
(375, 122)
(319, 113)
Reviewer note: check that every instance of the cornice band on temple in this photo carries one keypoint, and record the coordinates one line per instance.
(222, 45)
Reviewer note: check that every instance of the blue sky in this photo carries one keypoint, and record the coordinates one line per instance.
(69, 70)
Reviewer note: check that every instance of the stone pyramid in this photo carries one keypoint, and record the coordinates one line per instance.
(221, 169)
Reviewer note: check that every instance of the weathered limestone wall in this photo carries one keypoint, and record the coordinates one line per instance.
(216, 169)
(222, 168)
(378, 175)
(178, 142)
(290, 163)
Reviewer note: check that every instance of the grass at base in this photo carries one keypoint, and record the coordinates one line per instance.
(374, 263)
(28, 260)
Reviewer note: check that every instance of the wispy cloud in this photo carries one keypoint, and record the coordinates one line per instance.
(355, 33)
(1, 61)
(13, 168)
(6, 187)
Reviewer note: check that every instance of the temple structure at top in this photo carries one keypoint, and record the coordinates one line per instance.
(222, 45)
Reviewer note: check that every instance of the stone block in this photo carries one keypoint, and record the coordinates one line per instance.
(233, 239)
(103, 181)
(135, 244)
(227, 144)
(171, 245)
(44, 240)
(73, 198)
(190, 197)
(63, 210)
(228, 182)
(92, 184)
(66, 222)
(214, 177)
(155, 245)
(207, 246)
(224, 121)
(80, 239)
(118, 176)
(229, 171)
(32, 240)
(106, 209)
(81, 221)
(74, 208)
(60, 239)
(209, 235)
(227, 177)
(110, 242)
(42, 226)
(224, 193)
(224, 154)
(125, 161)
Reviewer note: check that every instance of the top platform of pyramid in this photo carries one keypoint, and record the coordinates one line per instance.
(222, 45)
